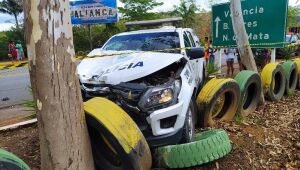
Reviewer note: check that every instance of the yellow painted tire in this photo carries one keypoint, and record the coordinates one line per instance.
(297, 61)
(273, 81)
(117, 143)
(218, 101)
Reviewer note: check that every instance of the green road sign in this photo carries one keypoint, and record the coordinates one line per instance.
(265, 22)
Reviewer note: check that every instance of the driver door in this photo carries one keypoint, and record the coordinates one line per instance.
(195, 64)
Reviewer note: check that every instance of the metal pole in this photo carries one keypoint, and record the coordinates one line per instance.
(273, 55)
(90, 37)
(219, 54)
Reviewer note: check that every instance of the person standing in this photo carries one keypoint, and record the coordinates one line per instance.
(12, 51)
(206, 48)
(20, 50)
(230, 53)
(211, 52)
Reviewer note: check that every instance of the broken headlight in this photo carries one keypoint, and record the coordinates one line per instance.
(161, 96)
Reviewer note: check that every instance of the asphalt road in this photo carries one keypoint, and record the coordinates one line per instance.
(14, 86)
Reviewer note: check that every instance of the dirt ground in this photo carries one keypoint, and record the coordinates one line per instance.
(267, 139)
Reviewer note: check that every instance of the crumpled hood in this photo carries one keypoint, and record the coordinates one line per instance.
(124, 67)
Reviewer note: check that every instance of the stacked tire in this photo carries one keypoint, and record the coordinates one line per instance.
(9, 161)
(297, 61)
(279, 79)
(273, 81)
(250, 87)
(208, 146)
(117, 144)
(218, 101)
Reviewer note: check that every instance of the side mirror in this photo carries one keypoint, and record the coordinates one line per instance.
(99, 45)
(195, 52)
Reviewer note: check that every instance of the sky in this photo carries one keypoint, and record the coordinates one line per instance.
(7, 21)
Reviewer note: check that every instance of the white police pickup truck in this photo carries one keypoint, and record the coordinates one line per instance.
(157, 89)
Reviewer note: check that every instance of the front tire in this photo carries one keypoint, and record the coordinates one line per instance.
(188, 134)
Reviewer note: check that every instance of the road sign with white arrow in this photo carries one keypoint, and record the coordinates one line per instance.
(265, 23)
(217, 20)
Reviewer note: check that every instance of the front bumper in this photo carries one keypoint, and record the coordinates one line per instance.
(164, 140)
(157, 116)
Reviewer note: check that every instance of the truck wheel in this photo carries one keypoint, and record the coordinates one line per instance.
(250, 86)
(208, 146)
(10, 161)
(297, 61)
(117, 143)
(218, 101)
(188, 134)
(273, 81)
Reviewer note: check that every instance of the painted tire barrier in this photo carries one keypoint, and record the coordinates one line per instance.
(208, 146)
(250, 86)
(297, 61)
(291, 74)
(10, 161)
(117, 142)
(273, 81)
(218, 101)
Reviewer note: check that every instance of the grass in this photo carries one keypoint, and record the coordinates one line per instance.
(239, 119)
(30, 104)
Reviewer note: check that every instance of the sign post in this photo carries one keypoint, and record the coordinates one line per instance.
(88, 12)
(265, 23)
(93, 11)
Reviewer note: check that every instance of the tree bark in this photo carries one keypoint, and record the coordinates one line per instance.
(64, 140)
(242, 38)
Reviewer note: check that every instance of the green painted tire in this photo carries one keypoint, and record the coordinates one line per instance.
(250, 86)
(208, 146)
(297, 61)
(11, 161)
(291, 73)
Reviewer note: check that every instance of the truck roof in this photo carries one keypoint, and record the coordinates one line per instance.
(162, 29)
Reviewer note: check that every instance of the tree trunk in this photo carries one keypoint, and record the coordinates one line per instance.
(17, 22)
(242, 38)
(64, 140)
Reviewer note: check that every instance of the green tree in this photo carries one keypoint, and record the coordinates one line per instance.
(3, 46)
(293, 14)
(187, 10)
(135, 10)
(12, 7)
(100, 34)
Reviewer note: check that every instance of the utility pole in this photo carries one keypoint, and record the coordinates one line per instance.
(63, 134)
(242, 38)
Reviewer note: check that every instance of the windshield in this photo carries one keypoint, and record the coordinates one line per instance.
(145, 42)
